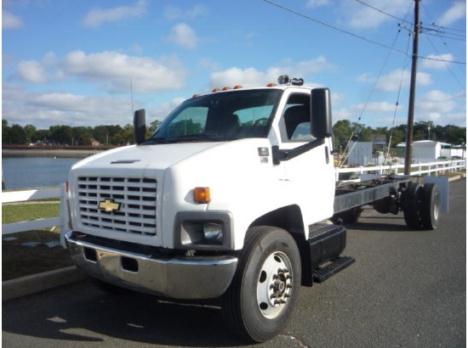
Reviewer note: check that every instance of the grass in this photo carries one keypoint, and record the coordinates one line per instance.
(19, 260)
(29, 211)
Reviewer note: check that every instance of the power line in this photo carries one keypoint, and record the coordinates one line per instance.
(446, 45)
(347, 32)
(383, 12)
(442, 32)
(343, 31)
(446, 66)
(434, 24)
(448, 29)
(347, 149)
(445, 36)
(397, 102)
(378, 77)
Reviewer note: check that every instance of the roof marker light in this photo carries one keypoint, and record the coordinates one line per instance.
(225, 88)
(237, 87)
(271, 84)
(283, 79)
(214, 90)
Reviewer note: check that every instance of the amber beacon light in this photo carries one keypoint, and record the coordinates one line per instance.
(201, 195)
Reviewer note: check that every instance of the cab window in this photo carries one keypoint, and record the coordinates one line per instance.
(295, 124)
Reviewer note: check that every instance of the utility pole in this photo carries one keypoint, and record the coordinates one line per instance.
(412, 95)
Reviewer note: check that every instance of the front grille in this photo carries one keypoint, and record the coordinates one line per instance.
(136, 197)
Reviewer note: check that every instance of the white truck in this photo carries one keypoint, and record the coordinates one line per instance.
(231, 198)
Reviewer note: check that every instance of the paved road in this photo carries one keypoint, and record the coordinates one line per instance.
(406, 289)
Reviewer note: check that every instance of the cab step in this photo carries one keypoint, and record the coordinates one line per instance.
(323, 273)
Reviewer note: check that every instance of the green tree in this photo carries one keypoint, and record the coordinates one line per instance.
(82, 135)
(41, 135)
(30, 130)
(398, 136)
(17, 135)
(154, 125)
(62, 135)
(341, 134)
(6, 133)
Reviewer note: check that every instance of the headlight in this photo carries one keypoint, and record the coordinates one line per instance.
(203, 230)
(202, 233)
(213, 232)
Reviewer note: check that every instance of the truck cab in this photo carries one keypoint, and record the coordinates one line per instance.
(228, 198)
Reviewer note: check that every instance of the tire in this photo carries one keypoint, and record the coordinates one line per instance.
(269, 266)
(411, 206)
(430, 206)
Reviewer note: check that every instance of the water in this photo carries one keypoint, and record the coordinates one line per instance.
(31, 172)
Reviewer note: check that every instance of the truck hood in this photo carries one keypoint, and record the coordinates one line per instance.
(160, 156)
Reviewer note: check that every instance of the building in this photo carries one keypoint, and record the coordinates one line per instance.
(430, 151)
(363, 153)
(360, 153)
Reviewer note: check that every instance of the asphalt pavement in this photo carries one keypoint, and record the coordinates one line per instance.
(406, 289)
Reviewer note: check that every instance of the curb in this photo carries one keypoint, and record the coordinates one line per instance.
(35, 283)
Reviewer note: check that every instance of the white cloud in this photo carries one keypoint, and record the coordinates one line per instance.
(317, 3)
(114, 70)
(96, 17)
(391, 81)
(434, 64)
(39, 71)
(45, 109)
(362, 17)
(376, 113)
(173, 13)
(117, 70)
(184, 36)
(51, 108)
(453, 14)
(375, 107)
(32, 71)
(10, 21)
(254, 77)
(434, 105)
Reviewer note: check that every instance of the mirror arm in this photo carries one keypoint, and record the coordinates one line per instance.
(286, 155)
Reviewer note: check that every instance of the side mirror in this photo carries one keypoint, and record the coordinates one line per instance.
(320, 113)
(139, 126)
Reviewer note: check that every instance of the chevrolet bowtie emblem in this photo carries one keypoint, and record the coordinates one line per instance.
(109, 206)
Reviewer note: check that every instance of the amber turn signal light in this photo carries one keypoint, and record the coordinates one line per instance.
(201, 195)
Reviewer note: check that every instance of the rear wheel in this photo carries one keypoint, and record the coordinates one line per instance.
(421, 206)
(430, 206)
(266, 285)
(411, 205)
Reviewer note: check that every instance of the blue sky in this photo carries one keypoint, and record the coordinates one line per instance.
(75, 62)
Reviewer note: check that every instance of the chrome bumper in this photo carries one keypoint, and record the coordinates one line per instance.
(179, 278)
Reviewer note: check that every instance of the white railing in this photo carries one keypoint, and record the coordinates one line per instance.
(29, 195)
(416, 168)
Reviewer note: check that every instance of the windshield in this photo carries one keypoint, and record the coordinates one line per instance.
(220, 117)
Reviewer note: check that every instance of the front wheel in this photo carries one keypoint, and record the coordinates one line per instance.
(266, 285)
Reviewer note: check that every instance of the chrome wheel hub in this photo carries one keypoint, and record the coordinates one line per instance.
(274, 285)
